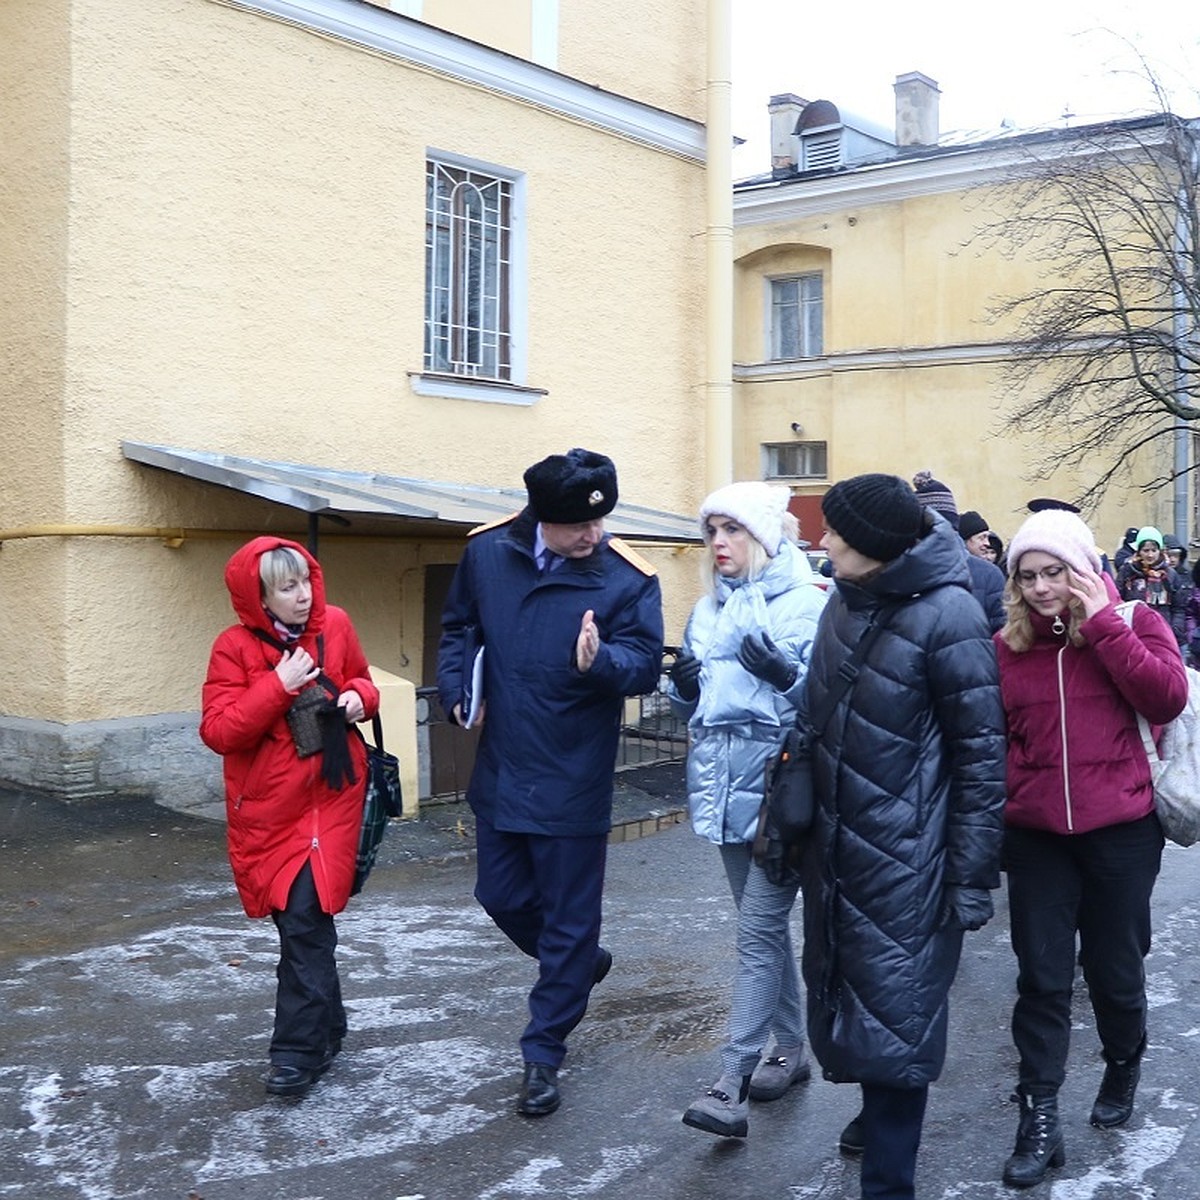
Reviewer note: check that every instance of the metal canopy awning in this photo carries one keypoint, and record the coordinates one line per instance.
(346, 495)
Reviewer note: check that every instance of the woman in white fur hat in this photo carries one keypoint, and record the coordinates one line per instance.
(737, 680)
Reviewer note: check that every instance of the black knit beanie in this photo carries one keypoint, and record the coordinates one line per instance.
(877, 515)
(971, 523)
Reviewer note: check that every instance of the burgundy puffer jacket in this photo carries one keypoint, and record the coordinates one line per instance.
(1075, 757)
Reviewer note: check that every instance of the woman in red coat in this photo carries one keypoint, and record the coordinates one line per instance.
(293, 806)
(1082, 844)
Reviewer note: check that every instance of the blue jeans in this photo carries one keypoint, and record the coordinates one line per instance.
(766, 988)
(1097, 884)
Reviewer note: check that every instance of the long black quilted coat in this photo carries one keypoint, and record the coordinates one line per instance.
(910, 788)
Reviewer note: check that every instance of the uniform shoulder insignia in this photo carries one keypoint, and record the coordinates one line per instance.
(631, 556)
(493, 524)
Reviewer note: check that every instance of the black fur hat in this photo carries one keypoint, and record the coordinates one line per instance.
(566, 489)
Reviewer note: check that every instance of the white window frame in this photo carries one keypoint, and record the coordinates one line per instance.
(772, 452)
(810, 330)
(474, 375)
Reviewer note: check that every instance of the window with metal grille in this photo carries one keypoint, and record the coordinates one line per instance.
(468, 258)
(795, 460)
(797, 316)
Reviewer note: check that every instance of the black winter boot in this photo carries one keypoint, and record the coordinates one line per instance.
(1114, 1101)
(1039, 1140)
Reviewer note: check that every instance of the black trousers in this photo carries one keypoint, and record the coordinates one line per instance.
(891, 1119)
(309, 1016)
(1098, 885)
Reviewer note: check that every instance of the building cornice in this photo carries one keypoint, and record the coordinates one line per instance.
(879, 183)
(875, 360)
(410, 41)
(939, 171)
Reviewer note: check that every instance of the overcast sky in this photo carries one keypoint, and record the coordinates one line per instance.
(1025, 61)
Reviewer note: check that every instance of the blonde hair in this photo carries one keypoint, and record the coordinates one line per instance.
(1018, 628)
(757, 558)
(277, 566)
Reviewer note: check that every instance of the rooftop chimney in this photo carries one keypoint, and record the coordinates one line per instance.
(785, 111)
(916, 110)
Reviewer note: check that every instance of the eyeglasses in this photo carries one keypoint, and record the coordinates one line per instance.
(1027, 579)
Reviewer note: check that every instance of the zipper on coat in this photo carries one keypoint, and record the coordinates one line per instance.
(1062, 719)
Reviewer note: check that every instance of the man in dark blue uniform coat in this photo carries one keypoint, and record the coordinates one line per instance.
(570, 621)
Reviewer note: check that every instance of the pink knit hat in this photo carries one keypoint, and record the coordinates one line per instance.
(1058, 533)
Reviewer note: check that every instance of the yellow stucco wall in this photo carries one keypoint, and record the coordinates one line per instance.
(504, 24)
(34, 114)
(904, 276)
(229, 221)
(652, 50)
(644, 50)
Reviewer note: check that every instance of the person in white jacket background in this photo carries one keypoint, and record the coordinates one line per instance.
(737, 680)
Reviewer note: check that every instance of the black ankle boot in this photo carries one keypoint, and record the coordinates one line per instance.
(1114, 1101)
(1039, 1140)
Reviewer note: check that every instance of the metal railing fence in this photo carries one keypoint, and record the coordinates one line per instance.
(650, 734)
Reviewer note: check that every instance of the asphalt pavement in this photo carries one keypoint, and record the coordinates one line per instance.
(136, 1000)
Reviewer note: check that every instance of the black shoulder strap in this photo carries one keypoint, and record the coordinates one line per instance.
(323, 679)
(376, 729)
(848, 671)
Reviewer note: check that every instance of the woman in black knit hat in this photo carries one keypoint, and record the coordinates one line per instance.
(909, 780)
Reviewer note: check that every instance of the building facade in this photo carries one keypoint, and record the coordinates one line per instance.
(868, 334)
(266, 258)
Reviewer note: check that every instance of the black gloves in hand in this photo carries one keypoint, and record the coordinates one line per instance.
(966, 907)
(760, 656)
(685, 675)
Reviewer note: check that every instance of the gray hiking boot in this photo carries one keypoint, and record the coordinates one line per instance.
(724, 1109)
(778, 1072)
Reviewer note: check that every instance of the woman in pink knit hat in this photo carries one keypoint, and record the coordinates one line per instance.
(1082, 844)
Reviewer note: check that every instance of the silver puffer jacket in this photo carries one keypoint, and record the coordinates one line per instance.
(739, 721)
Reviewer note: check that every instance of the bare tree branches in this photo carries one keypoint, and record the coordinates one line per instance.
(1106, 362)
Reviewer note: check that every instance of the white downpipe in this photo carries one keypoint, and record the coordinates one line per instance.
(718, 426)
(1182, 332)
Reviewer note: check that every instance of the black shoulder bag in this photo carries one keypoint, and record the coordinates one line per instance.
(316, 722)
(789, 805)
(381, 803)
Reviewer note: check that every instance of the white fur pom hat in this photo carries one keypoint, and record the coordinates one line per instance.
(1059, 533)
(759, 507)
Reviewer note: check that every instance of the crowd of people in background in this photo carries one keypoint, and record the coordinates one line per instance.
(1148, 565)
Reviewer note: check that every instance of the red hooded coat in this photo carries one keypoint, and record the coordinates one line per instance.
(280, 812)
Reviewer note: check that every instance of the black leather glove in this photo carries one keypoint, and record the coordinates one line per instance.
(685, 675)
(967, 907)
(760, 656)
